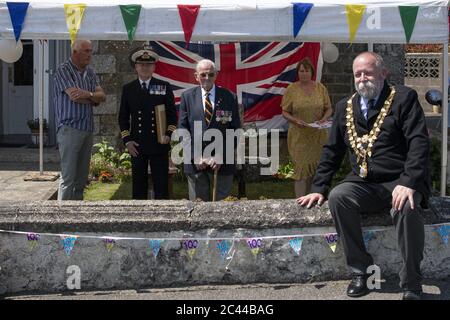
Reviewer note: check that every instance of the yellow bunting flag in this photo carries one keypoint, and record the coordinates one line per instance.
(74, 15)
(354, 13)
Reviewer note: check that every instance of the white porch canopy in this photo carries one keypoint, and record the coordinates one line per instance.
(245, 20)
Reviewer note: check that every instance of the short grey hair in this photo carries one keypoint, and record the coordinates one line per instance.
(76, 45)
(379, 62)
(205, 62)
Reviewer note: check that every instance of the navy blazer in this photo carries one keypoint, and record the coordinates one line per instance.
(191, 110)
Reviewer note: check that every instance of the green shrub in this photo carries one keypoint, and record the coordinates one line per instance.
(108, 166)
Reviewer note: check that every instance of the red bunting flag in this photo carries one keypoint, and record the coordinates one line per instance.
(188, 16)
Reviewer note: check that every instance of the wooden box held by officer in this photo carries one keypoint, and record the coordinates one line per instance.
(142, 100)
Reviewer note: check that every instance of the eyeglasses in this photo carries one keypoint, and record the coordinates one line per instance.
(204, 74)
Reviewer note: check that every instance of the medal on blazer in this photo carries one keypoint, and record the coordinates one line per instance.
(362, 146)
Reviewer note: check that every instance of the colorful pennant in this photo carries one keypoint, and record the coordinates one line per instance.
(332, 239)
(17, 12)
(224, 247)
(409, 16)
(255, 245)
(296, 244)
(300, 12)
(155, 246)
(190, 245)
(443, 231)
(188, 15)
(367, 236)
(109, 243)
(74, 15)
(68, 243)
(130, 15)
(33, 238)
(354, 13)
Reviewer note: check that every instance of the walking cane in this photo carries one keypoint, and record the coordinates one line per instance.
(214, 186)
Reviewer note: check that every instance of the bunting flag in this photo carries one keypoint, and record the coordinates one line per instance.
(332, 239)
(190, 245)
(74, 15)
(17, 13)
(224, 247)
(109, 243)
(296, 244)
(188, 15)
(68, 243)
(300, 12)
(354, 13)
(130, 15)
(409, 16)
(367, 236)
(443, 231)
(33, 238)
(155, 246)
(255, 245)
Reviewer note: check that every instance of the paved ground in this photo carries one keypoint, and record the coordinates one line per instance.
(331, 290)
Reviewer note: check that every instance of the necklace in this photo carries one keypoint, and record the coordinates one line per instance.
(362, 146)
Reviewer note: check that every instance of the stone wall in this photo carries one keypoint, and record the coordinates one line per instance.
(130, 264)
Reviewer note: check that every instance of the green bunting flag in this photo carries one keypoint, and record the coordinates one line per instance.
(409, 16)
(130, 15)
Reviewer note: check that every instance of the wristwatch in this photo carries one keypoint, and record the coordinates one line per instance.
(91, 94)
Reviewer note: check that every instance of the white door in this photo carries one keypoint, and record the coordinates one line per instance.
(18, 92)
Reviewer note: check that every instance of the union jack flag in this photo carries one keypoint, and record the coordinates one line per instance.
(257, 72)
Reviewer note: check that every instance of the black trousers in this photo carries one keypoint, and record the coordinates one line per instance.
(348, 200)
(159, 165)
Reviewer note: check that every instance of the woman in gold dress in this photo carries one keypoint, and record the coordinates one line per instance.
(305, 102)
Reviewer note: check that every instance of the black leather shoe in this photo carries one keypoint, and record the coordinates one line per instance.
(412, 295)
(358, 286)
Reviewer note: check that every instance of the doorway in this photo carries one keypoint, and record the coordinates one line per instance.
(17, 97)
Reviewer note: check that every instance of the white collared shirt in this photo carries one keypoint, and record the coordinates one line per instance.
(364, 108)
(147, 82)
(212, 96)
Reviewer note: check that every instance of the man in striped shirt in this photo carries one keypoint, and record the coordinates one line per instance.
(76, 91)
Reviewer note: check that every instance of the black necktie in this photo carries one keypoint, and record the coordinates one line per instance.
(370, 105)
(208, 109)
(144, 87)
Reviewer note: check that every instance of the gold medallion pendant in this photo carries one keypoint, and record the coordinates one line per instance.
(362, 146)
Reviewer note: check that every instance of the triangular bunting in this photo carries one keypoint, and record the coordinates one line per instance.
(74, 15)
(409, 16)
(17, 12)
(354, 13)
(296, 244)
(68, 243)
(300, 12)
(130, 15)
(443, 231)
(109, 243)
(332, 239)
(33, 238)
(224, 247)
(255, 245)
(191, 246)
(155, 246)
(188, 15)
(367, 236)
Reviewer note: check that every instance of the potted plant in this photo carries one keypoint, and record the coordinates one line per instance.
(33, 124)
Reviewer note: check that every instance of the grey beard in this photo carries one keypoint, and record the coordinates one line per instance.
(368, 90)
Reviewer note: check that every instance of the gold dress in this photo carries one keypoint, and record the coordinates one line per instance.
(305, 144)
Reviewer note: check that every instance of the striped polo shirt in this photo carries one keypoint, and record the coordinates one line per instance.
(76, 115)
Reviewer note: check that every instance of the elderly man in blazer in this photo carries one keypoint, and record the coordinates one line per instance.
(202, 109)
(137, 121)
(383, 128)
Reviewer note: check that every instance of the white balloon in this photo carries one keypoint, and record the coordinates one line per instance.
(330, 52)
(10, 51)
